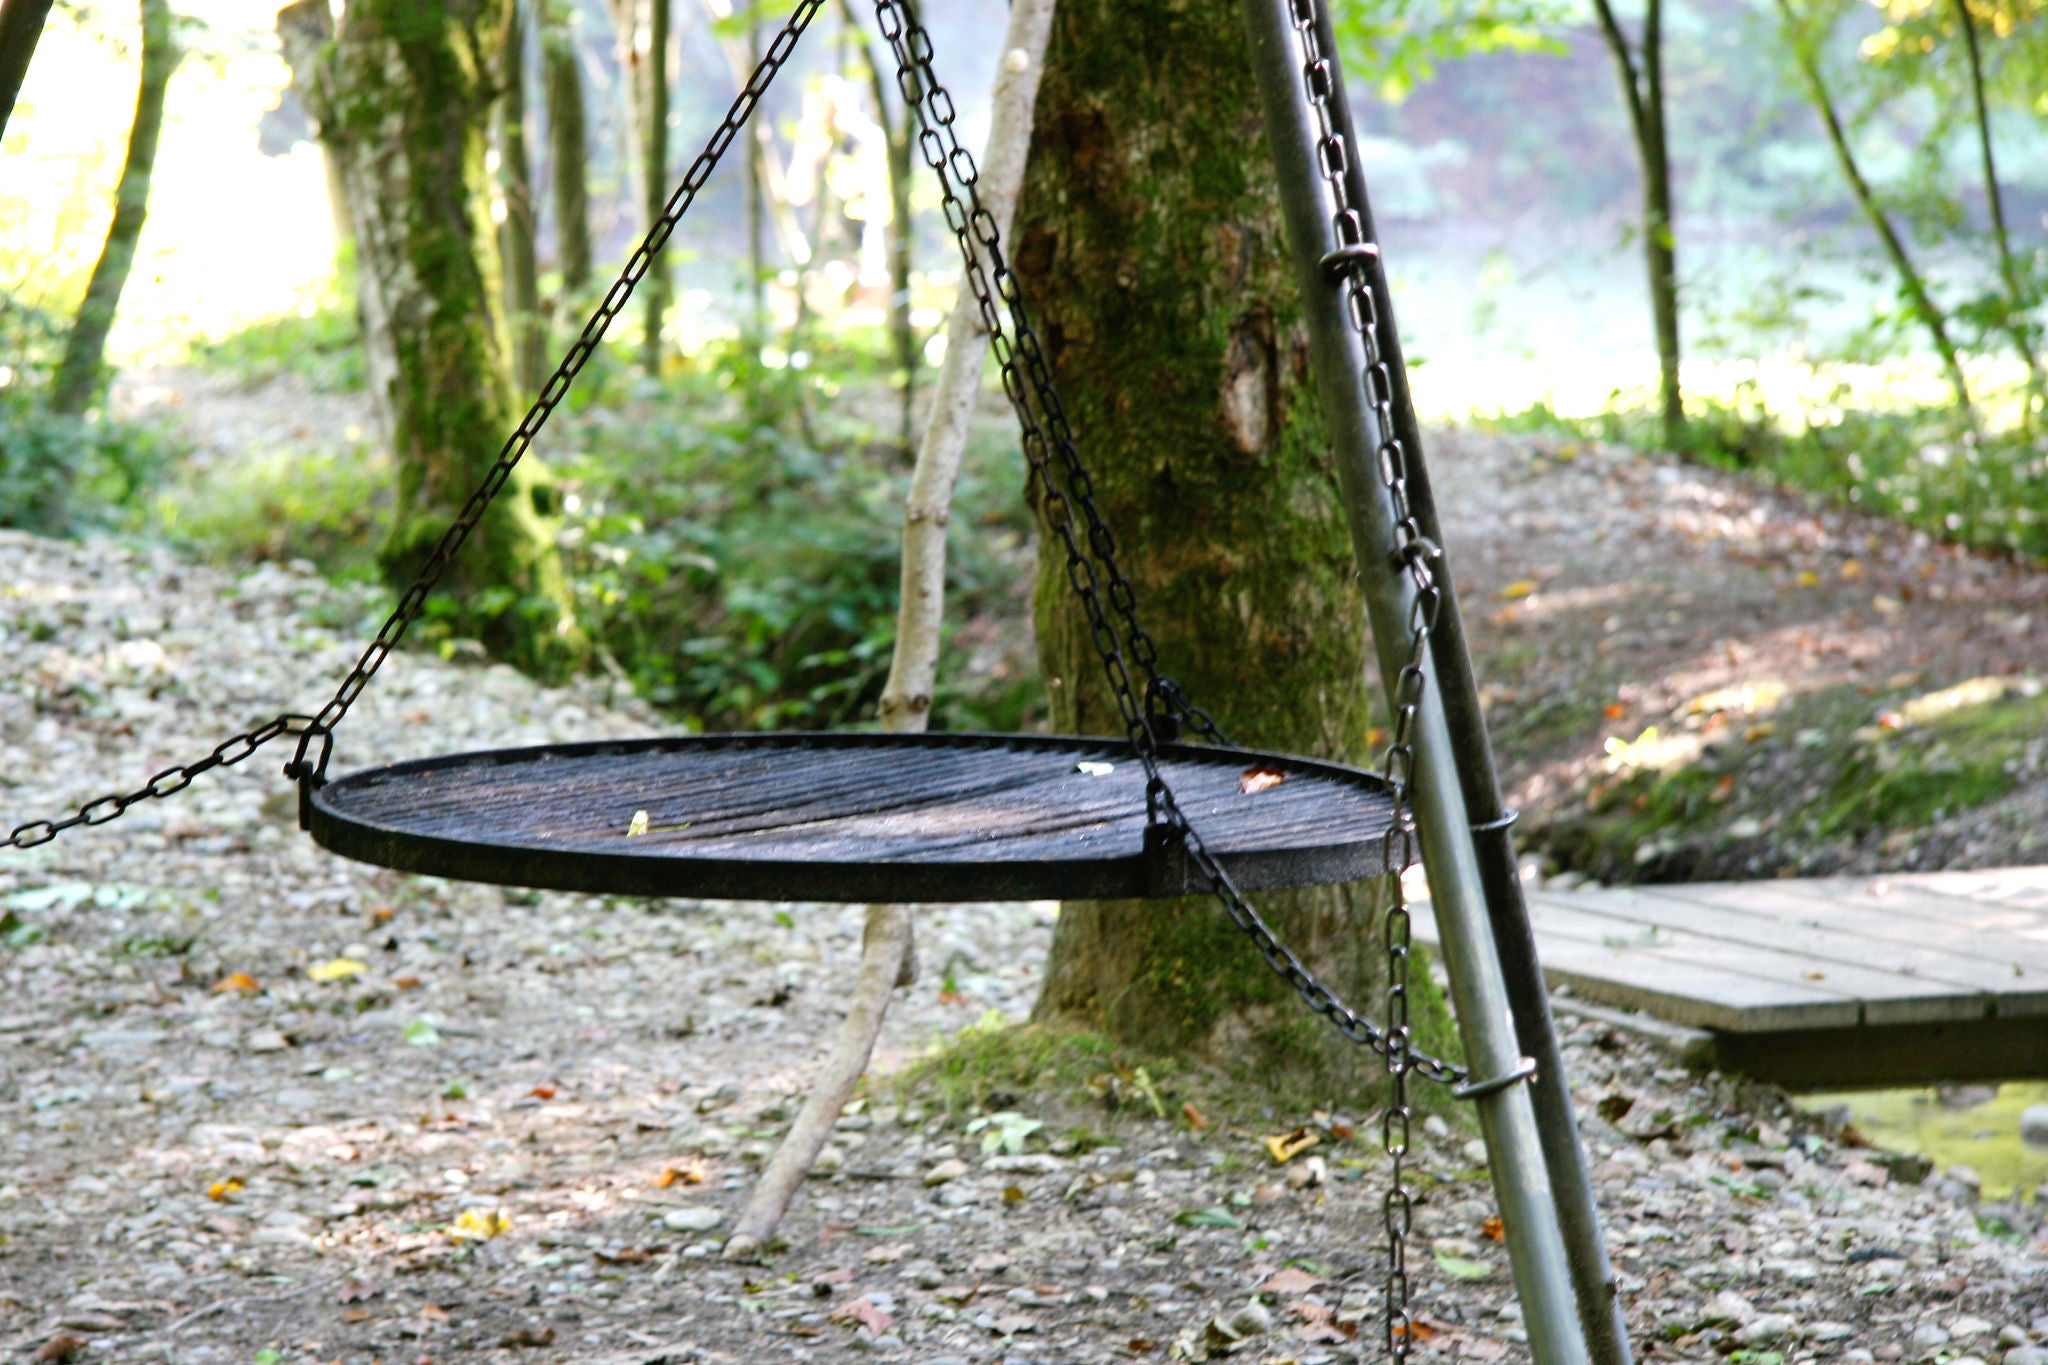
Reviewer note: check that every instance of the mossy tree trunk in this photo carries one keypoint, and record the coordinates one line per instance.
(403, 94)
(568, 149)
(81, 374)
(1151, 244)
(516, 235)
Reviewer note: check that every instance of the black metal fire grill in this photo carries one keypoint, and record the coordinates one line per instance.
(853, 817)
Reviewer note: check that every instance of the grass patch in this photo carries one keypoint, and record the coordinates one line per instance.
(992, 1065)
(319, 343)
(326, 507)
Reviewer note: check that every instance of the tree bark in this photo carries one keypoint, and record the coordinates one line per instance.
(1150, 240)
(2015, 323)
(568, 148)
(1806, 55)
(516, 234)
(1642, 87)
(81, 374)
(654, 148)
(403, 99)
(21, 25)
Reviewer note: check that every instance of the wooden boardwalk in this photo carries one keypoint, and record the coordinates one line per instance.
(1821, 982)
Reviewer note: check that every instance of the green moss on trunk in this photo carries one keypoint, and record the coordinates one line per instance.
(1151, 245)
(408, 95)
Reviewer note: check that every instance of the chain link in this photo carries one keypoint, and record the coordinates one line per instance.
(310, 764)
(1351, 264)
(100, 810)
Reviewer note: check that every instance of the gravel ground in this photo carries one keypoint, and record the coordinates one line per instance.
(263, 1105)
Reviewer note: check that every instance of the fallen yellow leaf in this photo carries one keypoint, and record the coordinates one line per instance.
(1808, 579)
(239, 981)
(220, 1191)
(1519, 589)
(638, 825)
(1852, 569)
(479, 1225)
(1285, 1147)
(337, 969)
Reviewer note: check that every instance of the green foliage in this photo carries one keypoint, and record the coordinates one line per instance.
(733, 534)
(254, 504)
(318, 342)
(1396, 45)
(60, 474)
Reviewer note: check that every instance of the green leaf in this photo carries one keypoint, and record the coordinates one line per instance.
(422, 1033)
(1458, 1268)
(1217, 1217)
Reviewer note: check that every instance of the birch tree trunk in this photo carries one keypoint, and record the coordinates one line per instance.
(887, 945)
(81, 374)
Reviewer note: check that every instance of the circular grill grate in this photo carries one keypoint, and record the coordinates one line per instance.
(852, 817)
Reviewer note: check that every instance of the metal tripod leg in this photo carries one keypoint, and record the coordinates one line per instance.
(1593, 1283)
(1543, 1281)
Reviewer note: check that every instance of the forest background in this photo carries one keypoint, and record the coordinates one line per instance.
(1856, 199)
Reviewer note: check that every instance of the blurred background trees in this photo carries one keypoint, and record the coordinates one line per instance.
(1838, 205)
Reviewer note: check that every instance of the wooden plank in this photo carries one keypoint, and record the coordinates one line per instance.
(1998, 933)
(2014, 969)
(1884, 996)
(1827, 938)
(1891, 1055)
(1698, 994)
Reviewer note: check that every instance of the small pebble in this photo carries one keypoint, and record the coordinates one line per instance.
(692, 1218)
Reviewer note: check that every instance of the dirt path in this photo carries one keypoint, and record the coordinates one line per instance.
(1794, 649)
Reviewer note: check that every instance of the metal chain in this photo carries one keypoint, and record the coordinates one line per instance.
(320, 728)
(974, 230)
(102, 809)
(1412, 552)
(1046, 430)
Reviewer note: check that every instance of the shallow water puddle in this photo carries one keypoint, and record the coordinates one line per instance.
(1956, 1125)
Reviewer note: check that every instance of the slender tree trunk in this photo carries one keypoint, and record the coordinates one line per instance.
(655, 150)
(403, 99)
(1642, 88)
(569, 152)
(21, 25)
(887, 948)
(757, 208)
(2015, 324)
(1150, 238)
(897, 123)
(516, 233)
(81, 376)
(1806, 54)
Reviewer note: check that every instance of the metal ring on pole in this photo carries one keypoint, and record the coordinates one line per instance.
(1336, 265)
(1500, 822)
(1525, 1070)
